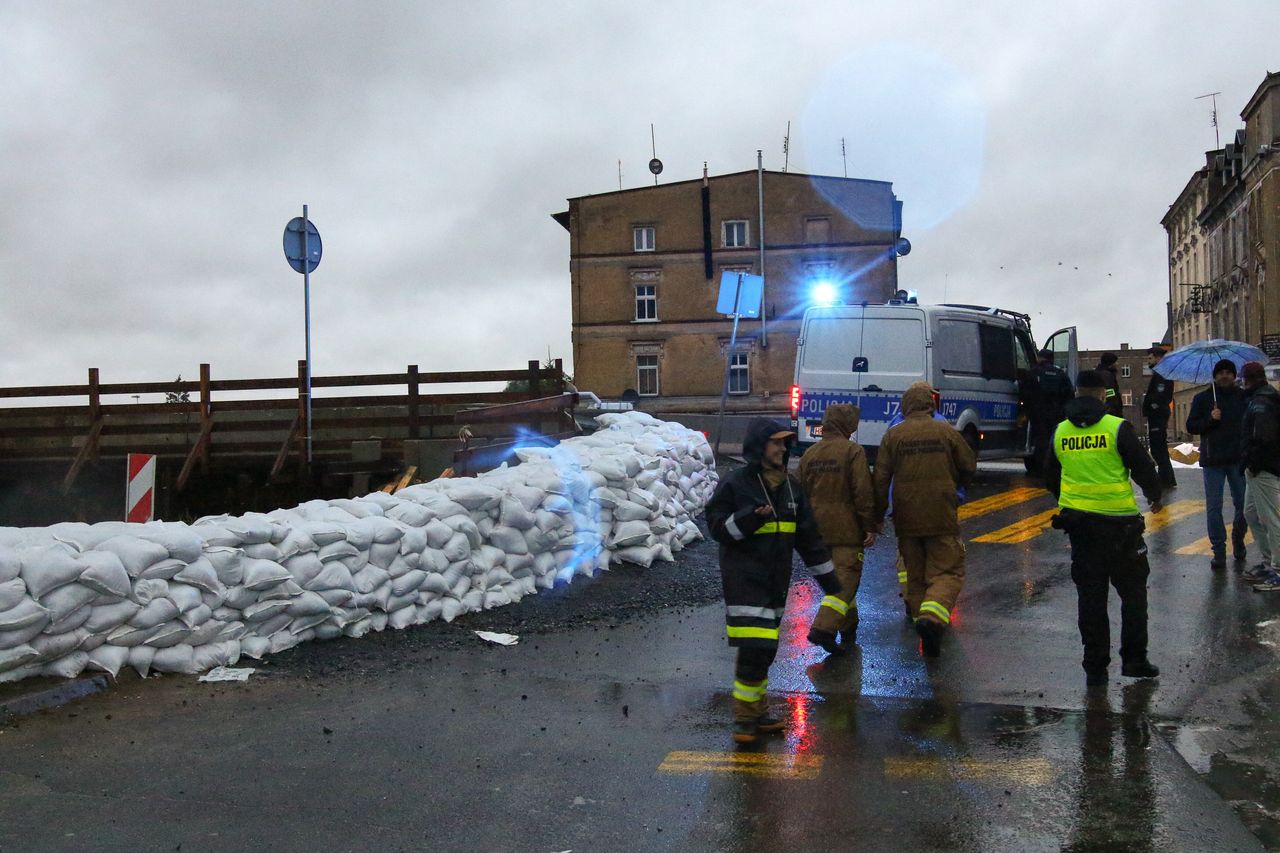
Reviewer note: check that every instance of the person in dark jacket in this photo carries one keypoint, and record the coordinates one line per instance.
(1260, 460)
(1107, 369)
(1156, 409)
(1044, 392)
(759, 515)
(1095, 455)
(1216, 415)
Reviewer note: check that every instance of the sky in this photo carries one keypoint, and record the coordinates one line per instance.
(152, 153)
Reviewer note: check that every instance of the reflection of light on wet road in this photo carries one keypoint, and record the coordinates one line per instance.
(1024, 771)
(799, 733)
(767, 764)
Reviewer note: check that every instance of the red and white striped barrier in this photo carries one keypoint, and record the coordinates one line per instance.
(140, 496)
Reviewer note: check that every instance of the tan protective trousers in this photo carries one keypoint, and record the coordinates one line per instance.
(935, 574)
(839, 611)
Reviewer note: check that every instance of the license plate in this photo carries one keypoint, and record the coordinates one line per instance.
(814, 428)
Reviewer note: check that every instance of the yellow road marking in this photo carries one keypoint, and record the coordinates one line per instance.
(998, 502)
(1021, 531)
(1202, 547)
(1026, 771)
(771, 765)
(1172, 513)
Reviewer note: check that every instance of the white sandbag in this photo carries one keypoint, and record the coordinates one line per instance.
(286, 590)
(510, 539)
(457, 548)
(403, 617)
(53, 646)
(156, 612)
(206, 657)
(429, 611)
(266, 628)
(414, 540)
(263, 610)
(514, 514)
(168, 635)
(473, 601)
(628, 510)
(71, 621)
(201, 574)
(630, 533)
(11, 592)
(255, 647)
(434, 584)
(301, 624)
(328, 631)
(333, 576)
(138, 555)
(179, 541)
(228, 563)
(232, 631)
(473, 495)
(438, 533)
(337, 597)
(641, 555)
(466, 525)
(66, 667)
(307, 604)
(558, 504)
(383, 554)
(412, 514)
(23, 615)
(359, 628)
(197, 616)
(323, 532)
(369, 578)
(17, 656)
(105, 573)
(304, 567)
(338, 551)
(105, 617)
(140, 658)
(357, 508)
(164, 569)
(179, 658)
(450, 608)
(47, 567)
(261, 574)
(108, 659)
(296, 541)
(207, 632)
(408, 582)
(10, 564)
(184, 596)
(263, 551)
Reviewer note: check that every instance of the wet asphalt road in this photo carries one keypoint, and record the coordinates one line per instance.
(606, 727)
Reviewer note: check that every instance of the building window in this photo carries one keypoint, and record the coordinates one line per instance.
(644, 238)
(646, 303)
(1126, 397)
(647, 375)
(734, 234)
(740, 374)
(817, 229)
(1124, 371)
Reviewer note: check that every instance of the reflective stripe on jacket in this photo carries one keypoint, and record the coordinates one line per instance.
(1094, 477)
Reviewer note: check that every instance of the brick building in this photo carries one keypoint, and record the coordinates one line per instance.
(1132, 373)
(645, 268)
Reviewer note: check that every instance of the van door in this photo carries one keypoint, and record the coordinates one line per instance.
(1065, 352)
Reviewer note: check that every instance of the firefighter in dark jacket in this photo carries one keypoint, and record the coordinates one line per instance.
(1156, 409)
(1044, 392)
(1216, 415)
(1107, 368)
(759, 515)
(1094, 456)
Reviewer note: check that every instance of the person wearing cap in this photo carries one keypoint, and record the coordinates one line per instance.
(1044, 392)
(1260, 461)
(759, 514)
(1107, 369)
(1157, 405)
(1094, 456)
(1216, 416)
(837, 482)
(925, 461)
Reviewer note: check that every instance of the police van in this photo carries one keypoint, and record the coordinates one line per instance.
(973, 357)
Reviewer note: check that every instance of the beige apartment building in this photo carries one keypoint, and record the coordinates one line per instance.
(645, 270)
(1222, 230)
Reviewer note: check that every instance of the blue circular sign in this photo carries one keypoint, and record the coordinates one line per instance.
(293, 249)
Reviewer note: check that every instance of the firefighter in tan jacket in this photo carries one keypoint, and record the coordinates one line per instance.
(837, 482)
(925, 460)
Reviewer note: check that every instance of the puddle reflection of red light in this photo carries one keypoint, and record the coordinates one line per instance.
(799, 736)
(801, 605)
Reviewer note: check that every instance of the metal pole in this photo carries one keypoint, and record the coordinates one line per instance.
(764, 305)
(306, 299)
(728, 362)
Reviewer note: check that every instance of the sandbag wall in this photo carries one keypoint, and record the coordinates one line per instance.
(173, 597)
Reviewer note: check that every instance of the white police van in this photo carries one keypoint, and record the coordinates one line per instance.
(869, 354)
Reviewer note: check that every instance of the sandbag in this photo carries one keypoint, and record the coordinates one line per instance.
(108, 659)
(136, 554)
(103, 618)
(201, 574)
(11, 592)
(228, 563)
(66, 599)
(105, 573)
(47, 567)
(262, 574)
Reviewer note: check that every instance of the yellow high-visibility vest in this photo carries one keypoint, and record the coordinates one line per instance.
(1094, 478)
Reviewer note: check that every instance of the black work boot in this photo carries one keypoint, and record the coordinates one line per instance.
(827, 640)
(1140, 669)
(1238, 551)
(1095, 677)
(1218, 561)
(930, 637)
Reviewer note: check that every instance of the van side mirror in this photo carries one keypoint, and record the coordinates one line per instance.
(860, 364)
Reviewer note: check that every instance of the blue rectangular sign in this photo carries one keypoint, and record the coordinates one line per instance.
(748, 299)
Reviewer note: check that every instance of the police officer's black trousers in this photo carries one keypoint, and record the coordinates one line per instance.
(1110, 551)
(1158, 438)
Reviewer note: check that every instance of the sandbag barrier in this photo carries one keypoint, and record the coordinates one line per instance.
(173, 597)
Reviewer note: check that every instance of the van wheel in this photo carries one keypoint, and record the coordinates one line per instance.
(971, 438)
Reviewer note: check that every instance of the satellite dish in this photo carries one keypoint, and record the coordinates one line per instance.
(902, 247)
(655, 166)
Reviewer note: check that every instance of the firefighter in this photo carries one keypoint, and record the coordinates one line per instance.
(926, 462)
(1094, 456)
(837, 482)
(759, 515)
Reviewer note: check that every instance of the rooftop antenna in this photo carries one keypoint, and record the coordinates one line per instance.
(655, 165)
(619, 174)
(843, 159)
(1213, 115)
(786, 148)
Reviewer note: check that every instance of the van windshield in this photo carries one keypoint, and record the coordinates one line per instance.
(890, 344)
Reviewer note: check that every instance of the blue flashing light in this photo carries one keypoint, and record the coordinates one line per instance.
(823, 293)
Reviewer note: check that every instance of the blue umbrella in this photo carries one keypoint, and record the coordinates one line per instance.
(1194, 362)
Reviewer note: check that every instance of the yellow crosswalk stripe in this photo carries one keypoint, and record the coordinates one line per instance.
(766, 764)
(1020, 531)
(997, 502)
(1202, 547)
(1026, 771)
(1172, 514)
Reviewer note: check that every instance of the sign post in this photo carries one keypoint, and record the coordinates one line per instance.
(740, 295)
(302, 249)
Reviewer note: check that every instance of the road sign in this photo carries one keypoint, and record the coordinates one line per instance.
(293, 244)
(140, 489)
(748, 300)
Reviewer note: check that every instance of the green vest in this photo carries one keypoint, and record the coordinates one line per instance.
(1094, 478)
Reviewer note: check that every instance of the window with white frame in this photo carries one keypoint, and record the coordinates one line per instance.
(1126, 397)
(1125, 370)
(644, 238)
(740, 373)
(647, 375)
(646, 303)
(734, 234)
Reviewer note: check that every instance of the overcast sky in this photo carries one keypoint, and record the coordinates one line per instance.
(151, 154)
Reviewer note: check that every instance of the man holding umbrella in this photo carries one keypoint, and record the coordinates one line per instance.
(1155, 408)
(1216, 415)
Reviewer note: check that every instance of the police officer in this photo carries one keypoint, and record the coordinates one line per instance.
(759, 514)
(1046, 389)
(837, 482)
(1107, 368)
(1156, 409)
(1094, 456)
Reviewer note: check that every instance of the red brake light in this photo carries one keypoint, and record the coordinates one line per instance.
(937, 401)
(795, 401)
